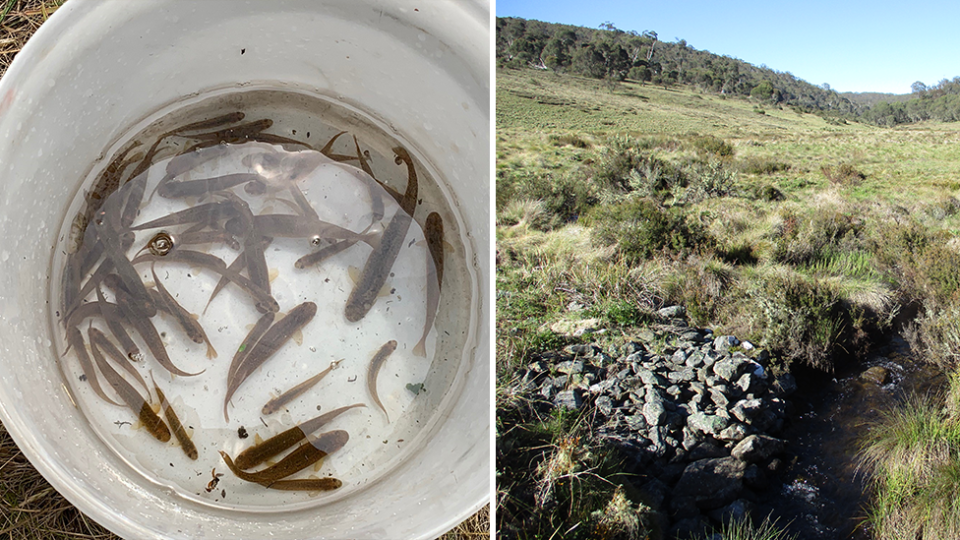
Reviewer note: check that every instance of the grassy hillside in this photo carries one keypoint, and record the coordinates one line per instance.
(805, 235)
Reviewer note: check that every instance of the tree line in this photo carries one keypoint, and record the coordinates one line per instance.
(617, 55)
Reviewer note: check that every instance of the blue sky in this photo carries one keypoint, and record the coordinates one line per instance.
(856, 46)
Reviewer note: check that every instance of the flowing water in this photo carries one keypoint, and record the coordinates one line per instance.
(820, 494)
(279, 202)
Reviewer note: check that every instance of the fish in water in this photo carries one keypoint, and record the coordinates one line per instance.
(185, 319)
(257, 454)
(131, 397)
(312, 451)
(378, 360)
(433, 231)
(270, 343)
(179, 432)
(276, 403)
(377, 268)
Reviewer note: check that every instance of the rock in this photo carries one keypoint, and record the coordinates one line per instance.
(723, 343)
(757, 448)
(785, 385)
(877, 375)
(708, 424)
(654, 493)
(747, 346)
(584, 350)
(679, 357)
(728, 369)
(735, 432)
(712, 483)
(659, 442)
(570, 367)
(685, 375)
(747, 410)
(689, 528)
(748, 383)
(755, 478)
(690, 335)
(719, 397)
(604, 405)
(650, 378)
(569, 399)
(706, 450)
(738, 510)
(690, 439)
(547, 390)
(673, 391)
(672, 312)
(575, 328)
(682, 508)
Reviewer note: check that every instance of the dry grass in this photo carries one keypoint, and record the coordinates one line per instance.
(30, 509)
(19, 19)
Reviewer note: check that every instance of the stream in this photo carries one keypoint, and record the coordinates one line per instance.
(819, 494)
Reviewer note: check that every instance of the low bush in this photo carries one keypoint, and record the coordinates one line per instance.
(843, 174)
(761, 165)
(640, 228)
(712, 146)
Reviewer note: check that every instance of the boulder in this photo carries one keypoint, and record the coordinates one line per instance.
(713, 483)
(878, 375)
(707, 423)
(757, 448)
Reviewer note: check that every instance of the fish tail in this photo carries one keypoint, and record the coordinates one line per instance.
(211, 352)
(421, 347)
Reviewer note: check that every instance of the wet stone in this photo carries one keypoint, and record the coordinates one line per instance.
(877, 375)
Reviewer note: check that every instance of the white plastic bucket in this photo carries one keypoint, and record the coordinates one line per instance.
(98, 67)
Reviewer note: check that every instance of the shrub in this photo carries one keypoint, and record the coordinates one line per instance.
(564, 195)
(640, 228)
(843, 174)
(760, 165)
(712, 146)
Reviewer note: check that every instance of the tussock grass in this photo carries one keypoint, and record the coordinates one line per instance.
(913, 455)
(745, 530)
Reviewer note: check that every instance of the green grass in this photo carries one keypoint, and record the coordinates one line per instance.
(745, 530)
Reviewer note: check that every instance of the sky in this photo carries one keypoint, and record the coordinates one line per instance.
(854, 46)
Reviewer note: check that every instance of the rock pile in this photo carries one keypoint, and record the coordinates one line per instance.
(697, 413)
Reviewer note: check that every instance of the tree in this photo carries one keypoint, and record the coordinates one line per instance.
(918, 87)
(762, 91)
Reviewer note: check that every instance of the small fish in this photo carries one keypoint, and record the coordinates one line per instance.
(376, 200)
(377, 268)
(245, 347)
(236, 133)
(106, 266)
(131, 397)
(144, 327)
(322, 254)
(179, 432)
(209, 237)
(409, 201)
(192, 159)
(270, 343)
(107, 184)
(215, 122)
(291, 226)
(202, 213)
(105, 345)
(196, 188)
(433, 231)
(315, 449)
(239, 263)
(276, 403)
(187, 321)
(257, 454)
(307, 484)
(107, 229)
(133, 190)
(378, 360)
(326, 150)
(111, 315)
(262, 300)
(75, 341)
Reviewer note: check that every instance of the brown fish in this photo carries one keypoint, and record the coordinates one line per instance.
(433, 231)
(276, 403)
(107, 229)
(236, 133)
(185, 319)
(253, 336)
(210, 123)
(179, 432)
(315, 449)
(257, 454)
(131, 397)
(322, 254)
(270, 343)
(378, 360)
(307, 484)
(409, 201)
(376, 200)
(75, 341)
